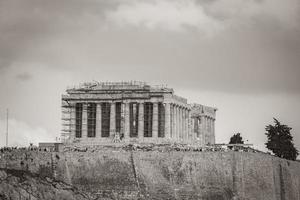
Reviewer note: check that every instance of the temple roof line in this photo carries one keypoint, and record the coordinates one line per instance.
(123, 85)
(133, 90)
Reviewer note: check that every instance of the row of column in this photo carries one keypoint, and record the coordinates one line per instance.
(179, 126)
(205, 131)
(181, 123)
(209, 127)
(125, 120)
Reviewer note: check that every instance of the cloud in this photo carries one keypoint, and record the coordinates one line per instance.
(283, 13)
(170, 15)
(24, 76)
(26, 26)
(209, 18)
(248, 40)
(22, 134)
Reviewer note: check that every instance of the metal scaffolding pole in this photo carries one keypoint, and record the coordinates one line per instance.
(6, 127)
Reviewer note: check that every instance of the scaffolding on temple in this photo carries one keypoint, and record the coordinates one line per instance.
(117, 85)
(66, 120)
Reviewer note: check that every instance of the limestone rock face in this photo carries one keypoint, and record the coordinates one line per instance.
(112, 173)
(19, 184)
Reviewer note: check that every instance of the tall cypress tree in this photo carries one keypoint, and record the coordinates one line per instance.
(280, 141)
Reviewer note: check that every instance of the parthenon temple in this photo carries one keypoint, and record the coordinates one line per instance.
(133, 112)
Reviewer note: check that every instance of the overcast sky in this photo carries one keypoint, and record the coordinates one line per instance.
(241, 56)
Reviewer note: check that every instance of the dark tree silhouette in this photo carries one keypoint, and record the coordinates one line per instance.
(280, 141)
(236, 139)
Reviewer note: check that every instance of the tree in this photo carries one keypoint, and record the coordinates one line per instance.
(280, 141)
(236, 139)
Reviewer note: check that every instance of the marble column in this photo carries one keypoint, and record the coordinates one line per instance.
(84, 120)
(181, 124)
(141, 122)
(122, 130)
(177, 124)
(206, 130)
(167, 121)
(193, 129)
(190, 126)
(184, 125)
(98, 121)
(112, 127)
(72, 127)
(213, 131)
(202, 130)
(186, 121)
(173, 122)
(155, 121)
(126, 121)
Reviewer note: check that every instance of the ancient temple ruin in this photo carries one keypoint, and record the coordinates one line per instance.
(133, 112)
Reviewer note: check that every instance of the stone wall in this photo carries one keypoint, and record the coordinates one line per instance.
(118, 174)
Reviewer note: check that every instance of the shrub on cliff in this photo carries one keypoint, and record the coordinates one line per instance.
(236, 139)
(280, 141)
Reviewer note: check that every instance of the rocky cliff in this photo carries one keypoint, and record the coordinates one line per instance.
(112, 173)
(19, 184)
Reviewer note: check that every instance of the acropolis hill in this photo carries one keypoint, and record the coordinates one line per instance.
(135, 141)
(124, 173)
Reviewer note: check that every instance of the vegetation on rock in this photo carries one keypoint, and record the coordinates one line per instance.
(280, 141)
(236, 139)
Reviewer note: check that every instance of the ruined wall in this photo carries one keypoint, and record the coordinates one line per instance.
(117, 174)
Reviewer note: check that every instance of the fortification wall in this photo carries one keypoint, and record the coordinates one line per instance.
(120, 174)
